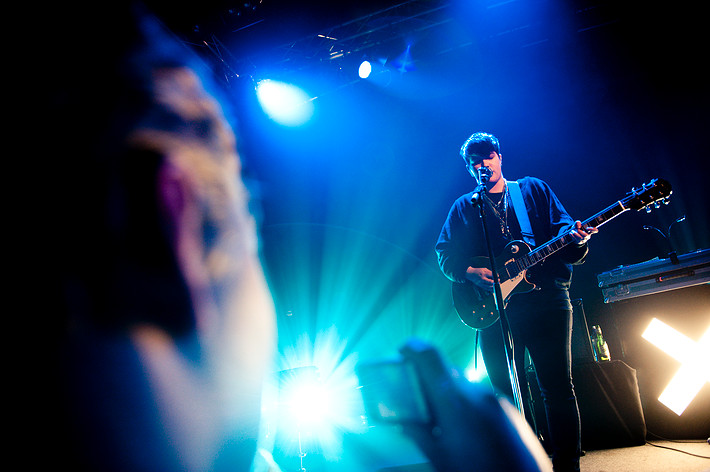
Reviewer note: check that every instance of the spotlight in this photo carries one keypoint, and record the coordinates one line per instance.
(284, 103)
(365, 69)
(317, 397)
(693, 356)
(304, 398)
(376, 71)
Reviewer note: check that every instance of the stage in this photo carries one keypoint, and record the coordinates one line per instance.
(654, 456)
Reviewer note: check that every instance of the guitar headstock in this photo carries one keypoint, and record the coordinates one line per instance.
(651, 193)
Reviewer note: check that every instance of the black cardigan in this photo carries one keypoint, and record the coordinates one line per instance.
(462, 238)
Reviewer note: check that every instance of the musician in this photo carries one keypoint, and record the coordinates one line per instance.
(540, 320)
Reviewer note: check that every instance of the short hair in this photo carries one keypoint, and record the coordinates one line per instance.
(479, 144)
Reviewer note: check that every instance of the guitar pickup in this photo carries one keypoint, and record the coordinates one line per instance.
(511, 270)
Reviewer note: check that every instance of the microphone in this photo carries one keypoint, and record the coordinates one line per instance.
(484, 175)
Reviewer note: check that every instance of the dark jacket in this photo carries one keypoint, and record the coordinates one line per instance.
(462, 238)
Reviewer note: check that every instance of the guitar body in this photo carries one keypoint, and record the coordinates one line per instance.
(476, 307)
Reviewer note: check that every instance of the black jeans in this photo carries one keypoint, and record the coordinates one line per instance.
(547, 337)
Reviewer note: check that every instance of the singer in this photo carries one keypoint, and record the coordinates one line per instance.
(540, 320)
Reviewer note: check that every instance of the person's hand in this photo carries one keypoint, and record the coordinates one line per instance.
(482, 277)
(582, 235)
(470, 429)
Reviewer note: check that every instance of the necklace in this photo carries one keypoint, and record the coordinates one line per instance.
(500, 209)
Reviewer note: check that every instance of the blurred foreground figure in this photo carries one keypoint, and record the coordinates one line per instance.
(471, 429)
(166, 326)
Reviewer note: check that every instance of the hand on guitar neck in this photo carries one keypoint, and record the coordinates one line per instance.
(582, 234)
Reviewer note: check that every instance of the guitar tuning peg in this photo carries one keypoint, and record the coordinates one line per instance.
(648, 209)
(656, 205)
(667, 200)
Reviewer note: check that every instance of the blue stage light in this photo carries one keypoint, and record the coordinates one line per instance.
(284, 103)
(365, 69)
(317, 398)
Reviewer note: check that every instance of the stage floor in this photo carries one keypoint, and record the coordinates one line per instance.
(392, 453)
(654, 456)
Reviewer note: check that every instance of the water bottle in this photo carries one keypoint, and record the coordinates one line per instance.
(601, 349)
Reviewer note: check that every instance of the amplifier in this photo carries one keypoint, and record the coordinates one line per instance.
(656, 275)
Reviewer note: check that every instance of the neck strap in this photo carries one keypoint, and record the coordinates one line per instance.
(516, 196)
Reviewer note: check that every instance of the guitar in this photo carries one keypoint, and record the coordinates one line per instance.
(477, 308)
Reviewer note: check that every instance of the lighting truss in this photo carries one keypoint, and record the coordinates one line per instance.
(352, 38)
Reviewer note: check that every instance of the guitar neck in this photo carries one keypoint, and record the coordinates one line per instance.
(549, 248)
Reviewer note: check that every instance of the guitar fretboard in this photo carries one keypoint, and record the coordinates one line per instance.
(546, 250)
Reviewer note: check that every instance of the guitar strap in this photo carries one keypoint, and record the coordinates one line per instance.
(519, 206)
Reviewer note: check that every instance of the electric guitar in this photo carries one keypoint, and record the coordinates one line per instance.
(477, 308)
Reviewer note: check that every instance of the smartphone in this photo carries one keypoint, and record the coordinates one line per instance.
(391, 392)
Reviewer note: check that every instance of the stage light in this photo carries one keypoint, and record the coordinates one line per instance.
(284, 103)
(476, 371)
(476, 374)
(304, 398)
(365, 69)
(317, 399)
(404, 62)
(376, 71)
(693, 356)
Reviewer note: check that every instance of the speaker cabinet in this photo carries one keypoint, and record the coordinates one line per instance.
(610, 407)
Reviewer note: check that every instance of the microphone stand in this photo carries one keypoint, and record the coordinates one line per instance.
(477, 200)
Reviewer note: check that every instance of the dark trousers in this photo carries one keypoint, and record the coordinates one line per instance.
(547, 337)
